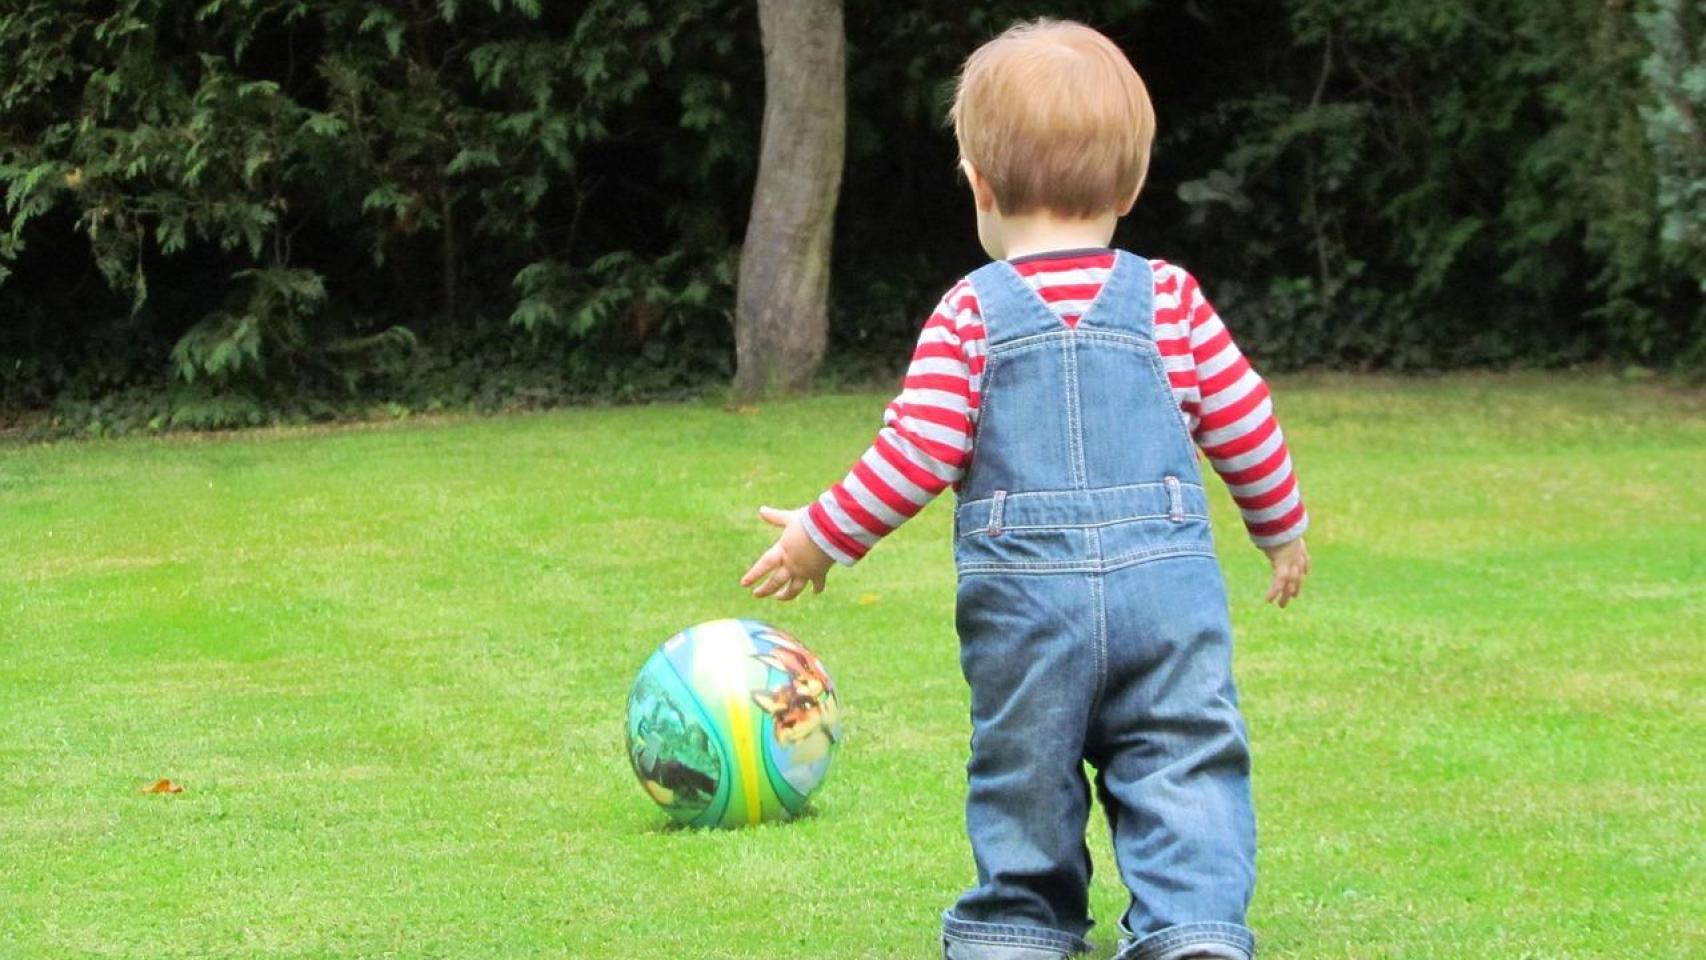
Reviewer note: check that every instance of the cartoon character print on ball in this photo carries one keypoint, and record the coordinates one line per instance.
(805, 714)
(673, 755)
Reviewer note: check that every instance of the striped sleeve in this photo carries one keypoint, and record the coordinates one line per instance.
(1231, 412)
(925, 442)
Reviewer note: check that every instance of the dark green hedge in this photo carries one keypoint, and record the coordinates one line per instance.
(225, 211)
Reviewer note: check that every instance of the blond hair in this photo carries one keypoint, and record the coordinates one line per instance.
(1053, 115)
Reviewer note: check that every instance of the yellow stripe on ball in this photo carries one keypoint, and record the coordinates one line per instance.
(746, 755)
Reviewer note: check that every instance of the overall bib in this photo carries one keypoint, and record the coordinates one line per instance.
(1093, 627)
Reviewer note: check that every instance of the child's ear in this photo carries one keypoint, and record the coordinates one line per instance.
(982, 193)
(1132, 200)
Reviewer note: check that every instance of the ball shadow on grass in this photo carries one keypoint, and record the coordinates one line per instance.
(667, 826)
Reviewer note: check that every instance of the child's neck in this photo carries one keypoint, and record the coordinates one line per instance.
(1035, 233)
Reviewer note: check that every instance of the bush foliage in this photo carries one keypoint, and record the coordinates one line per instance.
(225, 211)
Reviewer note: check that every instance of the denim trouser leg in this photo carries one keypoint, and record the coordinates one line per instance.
(1025, 653)
(1174, 763)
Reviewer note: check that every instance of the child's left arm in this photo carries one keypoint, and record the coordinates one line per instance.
(1290, 561)
(1236, 428)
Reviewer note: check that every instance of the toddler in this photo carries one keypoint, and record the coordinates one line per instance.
(1058, 390)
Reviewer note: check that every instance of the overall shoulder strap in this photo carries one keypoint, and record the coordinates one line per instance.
(1126, 302)
(1010, 308)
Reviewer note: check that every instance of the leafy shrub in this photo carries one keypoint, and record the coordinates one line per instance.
(285, 199)
(219, 212)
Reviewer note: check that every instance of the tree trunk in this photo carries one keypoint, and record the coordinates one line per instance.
(781, 304)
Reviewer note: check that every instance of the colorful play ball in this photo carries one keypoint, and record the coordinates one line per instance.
(732, 722)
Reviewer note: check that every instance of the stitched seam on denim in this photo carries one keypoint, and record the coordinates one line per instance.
(1022, 296)
(980, 416)
(1145, 297)
(1081, 566)
(1010, 297)
(1166, 388)
(1114, 289)
(1002, 939)
(991, 363)
(972, 569)
(1114, 276)
(1098, 595)
(1119, 337)
(1247, 951)
(978, 931)
(1192, 937)
(1180, 933)
(1018, 296)
(1074, 414)
(1030, 494)
(1009, 528)
(1016, 929)
(1027, 343)
(1228, 934)
(1133, 559)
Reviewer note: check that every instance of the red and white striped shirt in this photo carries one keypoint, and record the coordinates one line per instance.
(925, 445)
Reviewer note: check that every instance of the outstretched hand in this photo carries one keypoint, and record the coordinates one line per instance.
(792, 563)
(1290, 561)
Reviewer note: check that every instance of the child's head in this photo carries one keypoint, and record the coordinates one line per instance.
(1052, 117)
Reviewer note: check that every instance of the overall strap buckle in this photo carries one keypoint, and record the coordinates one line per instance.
(1175, 500)
(996, 505)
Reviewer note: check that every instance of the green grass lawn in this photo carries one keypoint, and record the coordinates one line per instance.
(388, 666)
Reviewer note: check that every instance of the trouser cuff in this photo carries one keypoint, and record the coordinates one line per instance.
(975, 940)
(1222, 941)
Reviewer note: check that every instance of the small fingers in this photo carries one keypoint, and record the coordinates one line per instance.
(777, 581)
(774, 517)
(792, 590)
(768, 561)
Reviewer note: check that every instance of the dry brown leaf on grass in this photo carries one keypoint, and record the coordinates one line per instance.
(163, 785)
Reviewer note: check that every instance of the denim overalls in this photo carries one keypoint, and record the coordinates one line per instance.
(1093, 626)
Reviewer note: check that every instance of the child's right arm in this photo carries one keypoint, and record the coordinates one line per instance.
(925, 442)
(921, 450)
